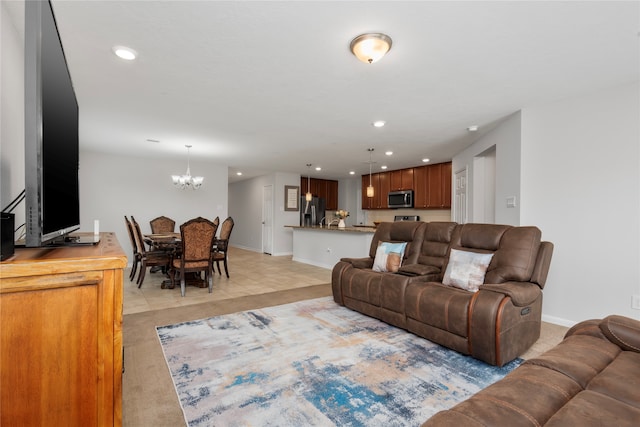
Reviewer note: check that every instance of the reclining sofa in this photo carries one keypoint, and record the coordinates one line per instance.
(496, 323)
(592, 378)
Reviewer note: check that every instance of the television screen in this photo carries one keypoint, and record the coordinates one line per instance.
(51, 132)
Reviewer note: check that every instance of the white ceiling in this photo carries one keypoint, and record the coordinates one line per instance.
(271, 85)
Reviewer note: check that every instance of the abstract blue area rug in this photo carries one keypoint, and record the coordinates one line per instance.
(314, 363)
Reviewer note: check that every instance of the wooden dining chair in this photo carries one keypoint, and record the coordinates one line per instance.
(222, 245)
(198, 236)
(162, 224)
(136, 253)
(148, 258)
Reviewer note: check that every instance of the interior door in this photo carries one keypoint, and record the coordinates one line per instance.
(267, 219)
(460, 204)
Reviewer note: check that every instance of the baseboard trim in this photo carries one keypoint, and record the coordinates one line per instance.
(558, 321)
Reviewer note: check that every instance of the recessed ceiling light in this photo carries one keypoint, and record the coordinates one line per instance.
(425, 160)
(383, 167)
(472, 128)
(352, 172)
(389, 153)
(125, 52)
(239, 173)
(318, 168)
(379, 123)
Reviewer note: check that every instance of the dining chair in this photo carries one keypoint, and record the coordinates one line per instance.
(162, 224)
(136, 253)
(148, 258)
(222, 245)
(198, 236)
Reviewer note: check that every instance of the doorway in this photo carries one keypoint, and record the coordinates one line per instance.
(267, 219)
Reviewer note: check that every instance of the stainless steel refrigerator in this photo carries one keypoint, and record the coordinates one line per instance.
(311, 212)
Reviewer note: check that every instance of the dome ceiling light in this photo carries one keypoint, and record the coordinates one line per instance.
(370, 47)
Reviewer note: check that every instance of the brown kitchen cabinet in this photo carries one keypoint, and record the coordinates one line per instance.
(324, 188)
(420, 188)
(61, 336)
(401, 179)
(381, 183)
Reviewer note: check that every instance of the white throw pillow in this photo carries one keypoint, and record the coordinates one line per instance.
(389, 256)
(466, 270)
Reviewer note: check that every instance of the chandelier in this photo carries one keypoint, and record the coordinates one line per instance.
(186, 180)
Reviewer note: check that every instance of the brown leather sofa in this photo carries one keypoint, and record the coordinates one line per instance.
(592, 378)
(495, 324)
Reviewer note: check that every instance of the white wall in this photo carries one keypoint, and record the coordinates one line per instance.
(505, 139)
(245, 206)
(581, 186)
(12, 104)
(349, 199)
(114, 186)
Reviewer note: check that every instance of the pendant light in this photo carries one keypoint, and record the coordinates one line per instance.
(308, 196)
(370, 191)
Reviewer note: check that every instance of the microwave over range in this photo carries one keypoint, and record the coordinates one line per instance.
(400, 199)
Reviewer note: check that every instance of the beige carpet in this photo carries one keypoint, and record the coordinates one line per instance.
(148, 395)
(149, 398)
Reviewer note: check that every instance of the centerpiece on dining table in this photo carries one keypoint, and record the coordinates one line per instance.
(341, 214)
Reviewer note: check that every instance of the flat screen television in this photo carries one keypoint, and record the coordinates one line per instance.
(52, 200)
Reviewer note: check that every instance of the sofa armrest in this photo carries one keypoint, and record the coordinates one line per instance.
(521, 293)
(622, 331)
(359, 262)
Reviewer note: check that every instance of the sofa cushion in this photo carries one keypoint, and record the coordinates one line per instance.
(411, 232)
(389, 256)
(621, 379)
(516, 257)
(590, 409)
(579, 357)
(440, 306)
(466, 270)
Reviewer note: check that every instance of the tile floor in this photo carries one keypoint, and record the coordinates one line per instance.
(250, 273)
(255, 273)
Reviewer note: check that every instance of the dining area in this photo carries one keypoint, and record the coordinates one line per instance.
(187, 257)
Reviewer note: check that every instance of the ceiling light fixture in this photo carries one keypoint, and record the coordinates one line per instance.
(472, 128)
(370, 191)
(383, 167)
(388, 153)
(425, 160)
(186, 180)
(308, 196)
(370, 47)
(379, 123)
(125, 53)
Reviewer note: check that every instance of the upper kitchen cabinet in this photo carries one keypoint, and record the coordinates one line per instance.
(332, 195)
(401, 179)
(431, 186)
(438, 186)
(323, 188)
(381, 183)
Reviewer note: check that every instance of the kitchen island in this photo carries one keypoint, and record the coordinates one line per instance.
(324, 246)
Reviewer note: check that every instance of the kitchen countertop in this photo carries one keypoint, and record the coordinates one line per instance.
(358, 229)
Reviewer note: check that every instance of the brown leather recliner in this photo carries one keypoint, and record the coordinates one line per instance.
(495, 324)
(592, 378)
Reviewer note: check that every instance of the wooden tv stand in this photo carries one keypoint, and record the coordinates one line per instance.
(61, 336)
